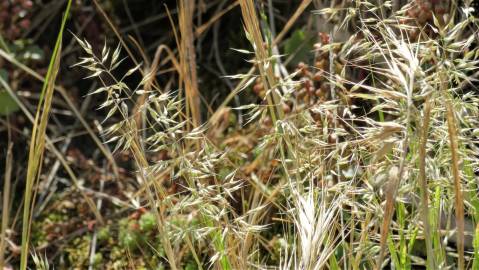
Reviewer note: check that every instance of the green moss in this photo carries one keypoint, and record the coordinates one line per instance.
(128, 239)
(128, 234)
(79, 252)
(103, 234)
(147, 222)
(97, 259)
(191, 266)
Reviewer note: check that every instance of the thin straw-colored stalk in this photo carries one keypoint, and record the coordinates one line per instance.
(142, 164)
(263, 62)
(37, 144)
(391, 192)
(117, 33)
(423, 184)
(265, 67)
(188, 60)
(453, 142)
(51, 147)
(201, 29)
(395, 177)
(299, 11)
(241, 85)
(5, 205)
(193, 252)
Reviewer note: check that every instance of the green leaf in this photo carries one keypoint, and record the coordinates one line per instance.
(7, 103)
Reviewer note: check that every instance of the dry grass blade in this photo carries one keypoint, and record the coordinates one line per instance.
(299, 11)
(37, 144)
(142, 164)
(394, 180)
(395, 173)
(5, 205)
(459, 198)
(241, 85)
(264, 65)
(188, 61)
(117, 33)
(201, 29)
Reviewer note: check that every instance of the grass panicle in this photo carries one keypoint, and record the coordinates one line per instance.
(362, 157)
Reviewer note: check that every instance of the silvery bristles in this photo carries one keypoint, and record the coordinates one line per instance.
(375, 160)
(346, 187)
(40, 261)
(406, 73)
(161, 109)
(207, 195)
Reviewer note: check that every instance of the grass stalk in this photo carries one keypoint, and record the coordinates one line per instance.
(241, 85)
(6, 203)
(142, 164)
(396, 173)
(63, 92)
(453, 142)
(37, 144)
(263, 62)
(475, 263)
(423, 184)
(188, 74)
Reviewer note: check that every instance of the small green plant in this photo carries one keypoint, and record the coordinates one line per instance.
(129, 235)
(147, 222)
(7, 103)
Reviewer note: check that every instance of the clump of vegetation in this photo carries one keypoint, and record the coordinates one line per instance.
(358, 154)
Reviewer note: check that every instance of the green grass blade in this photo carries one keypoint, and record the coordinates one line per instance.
(37, 144)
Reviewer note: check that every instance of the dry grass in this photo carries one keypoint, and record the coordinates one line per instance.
(424, 184)
(188, 61)
(362, 175)
(399, 144)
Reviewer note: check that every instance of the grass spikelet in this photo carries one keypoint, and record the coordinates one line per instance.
(359, 155)
(314, 225)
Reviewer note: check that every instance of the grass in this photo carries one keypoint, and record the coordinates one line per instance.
(37, 144)
(361, 158)
(6, 203)
(424, 185)
(188, 62)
